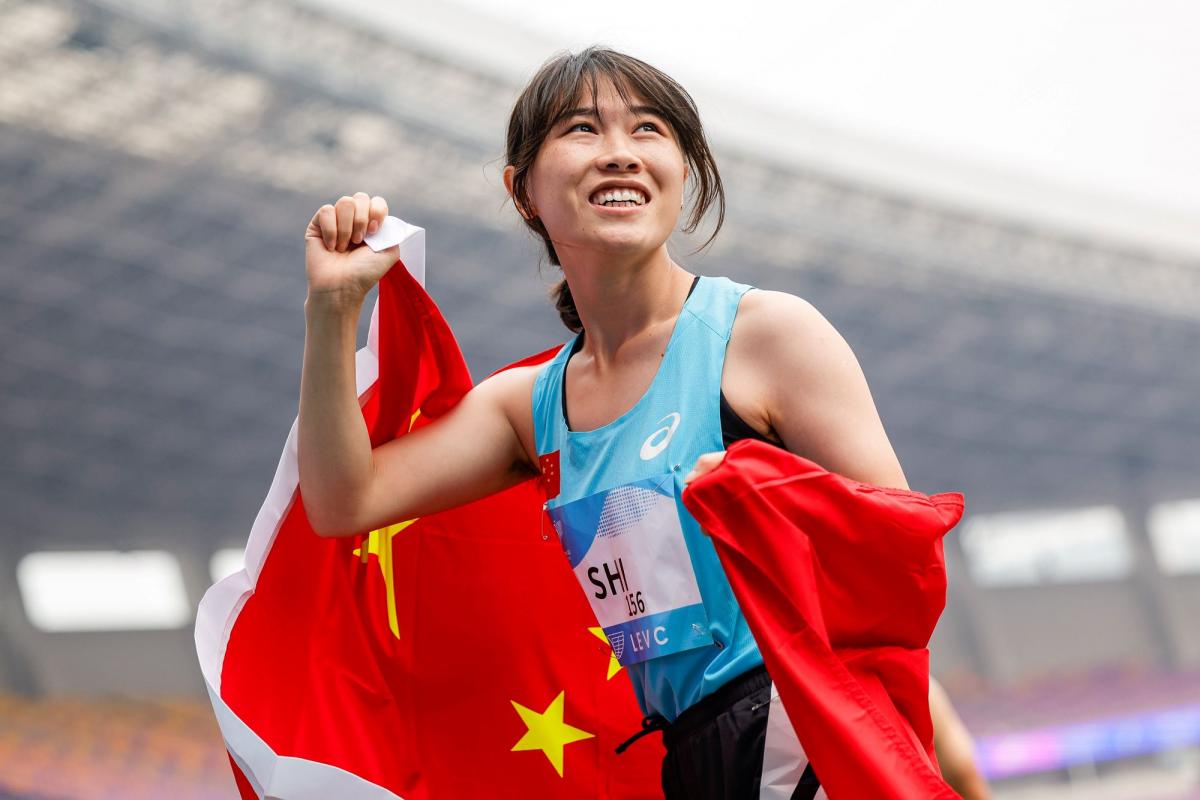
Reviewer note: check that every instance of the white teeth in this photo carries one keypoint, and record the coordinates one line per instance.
(619, 195)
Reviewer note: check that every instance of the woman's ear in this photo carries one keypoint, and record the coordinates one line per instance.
(509, 172)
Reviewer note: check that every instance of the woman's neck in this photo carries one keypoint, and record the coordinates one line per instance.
(625, 302)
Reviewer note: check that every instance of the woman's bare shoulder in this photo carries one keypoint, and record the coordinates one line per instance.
(811, 387)
(512, 390)
(511, 380)
(776, 334)
(771, 330)
(765, 314)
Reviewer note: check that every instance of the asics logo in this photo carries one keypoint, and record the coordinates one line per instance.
(650, 447)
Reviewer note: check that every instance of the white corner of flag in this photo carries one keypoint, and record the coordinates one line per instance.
(395, 231)
(273, 775)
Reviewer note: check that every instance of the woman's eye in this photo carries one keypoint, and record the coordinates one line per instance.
(587, 125)
(651, 125)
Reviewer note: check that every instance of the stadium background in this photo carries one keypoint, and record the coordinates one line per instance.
(159, 161)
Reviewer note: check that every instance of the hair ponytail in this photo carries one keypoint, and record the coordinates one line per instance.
(565, 304)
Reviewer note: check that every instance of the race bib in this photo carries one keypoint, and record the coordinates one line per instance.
(627, 549)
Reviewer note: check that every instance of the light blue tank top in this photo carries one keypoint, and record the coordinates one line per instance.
(647, 441)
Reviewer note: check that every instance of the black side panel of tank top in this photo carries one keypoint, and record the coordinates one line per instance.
(563, 394)
(733, 427)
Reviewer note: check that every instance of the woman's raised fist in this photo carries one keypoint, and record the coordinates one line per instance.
(335, 259)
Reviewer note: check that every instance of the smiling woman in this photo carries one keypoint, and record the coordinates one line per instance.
(622, 93)
(666, 370)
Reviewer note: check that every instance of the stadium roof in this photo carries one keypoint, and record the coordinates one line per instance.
(1075, 113)
(160, 160)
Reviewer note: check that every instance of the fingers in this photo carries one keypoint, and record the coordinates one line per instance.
(362, 210)
(349, 220)
(324, 226)
(378, 212)
(345, 221)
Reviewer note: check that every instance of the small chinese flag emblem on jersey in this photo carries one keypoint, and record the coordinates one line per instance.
(549, 465)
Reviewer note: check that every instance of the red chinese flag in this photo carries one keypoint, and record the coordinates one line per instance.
(842, 584)
(454, 655)
(450, 656)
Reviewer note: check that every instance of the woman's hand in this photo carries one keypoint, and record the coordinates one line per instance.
(336, 262)
(704, 464)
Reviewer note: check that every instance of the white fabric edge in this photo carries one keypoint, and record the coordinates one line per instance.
(410, 238)
(784, 759)
(412, 251)
(272, 775)
(284, 777)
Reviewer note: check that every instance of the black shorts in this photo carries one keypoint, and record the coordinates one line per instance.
(716, 748)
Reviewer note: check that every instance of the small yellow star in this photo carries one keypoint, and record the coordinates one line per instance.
(547, 731)
(614, 666)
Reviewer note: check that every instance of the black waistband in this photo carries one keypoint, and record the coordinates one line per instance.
(707, 709)
(704, 711)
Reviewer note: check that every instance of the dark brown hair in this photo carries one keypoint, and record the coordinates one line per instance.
(552, 92)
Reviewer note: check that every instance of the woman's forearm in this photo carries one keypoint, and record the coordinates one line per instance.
(334, 447)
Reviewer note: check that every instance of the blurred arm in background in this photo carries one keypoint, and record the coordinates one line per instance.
(955, 750)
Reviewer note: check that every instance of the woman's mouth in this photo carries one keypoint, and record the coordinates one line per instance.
(618, 198)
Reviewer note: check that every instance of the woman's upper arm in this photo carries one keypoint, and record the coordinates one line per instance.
(477, 448)
(814, 393)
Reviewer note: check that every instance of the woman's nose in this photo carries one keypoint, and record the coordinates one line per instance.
(619, 155)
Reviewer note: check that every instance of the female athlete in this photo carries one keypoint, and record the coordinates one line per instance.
(666, 369)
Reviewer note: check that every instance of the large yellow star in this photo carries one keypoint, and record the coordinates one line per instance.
(614, 666)
(379, 544)
(547, 731)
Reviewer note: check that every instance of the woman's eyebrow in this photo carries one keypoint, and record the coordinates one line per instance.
(594, 113)
(589, 111)
(655, 110)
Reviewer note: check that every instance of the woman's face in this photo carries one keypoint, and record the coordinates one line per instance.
(595, 152)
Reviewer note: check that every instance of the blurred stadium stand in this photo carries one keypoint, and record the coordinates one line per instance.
(159, 161)
(132, 749)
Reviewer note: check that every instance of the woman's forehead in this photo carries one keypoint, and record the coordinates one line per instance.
(607, 96)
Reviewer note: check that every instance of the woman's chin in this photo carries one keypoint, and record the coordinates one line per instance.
(624, 242)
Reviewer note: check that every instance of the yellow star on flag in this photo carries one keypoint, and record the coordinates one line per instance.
(614, 666)
(547, 731)
(379, 544)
